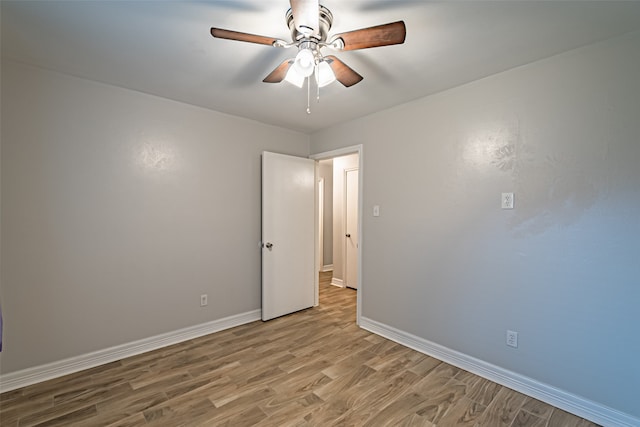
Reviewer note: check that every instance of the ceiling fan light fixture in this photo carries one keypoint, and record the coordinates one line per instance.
(325, 74)
(310, 23)
(305, 62)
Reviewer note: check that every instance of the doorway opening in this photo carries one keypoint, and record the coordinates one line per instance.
(339, 218)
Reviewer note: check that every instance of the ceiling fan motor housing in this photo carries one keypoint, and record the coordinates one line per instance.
(325, 21)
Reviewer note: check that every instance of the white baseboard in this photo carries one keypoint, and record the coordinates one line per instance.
(593, 411)
(337, 282)
(325, 268)
(25, 377)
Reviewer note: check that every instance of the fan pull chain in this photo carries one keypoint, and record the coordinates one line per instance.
(308, 95)
(317, 74)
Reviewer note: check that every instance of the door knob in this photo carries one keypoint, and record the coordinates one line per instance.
(348, 235)
(269, 245)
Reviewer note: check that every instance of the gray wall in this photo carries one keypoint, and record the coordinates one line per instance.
(118, 210)
(445, 263)
(325, 170)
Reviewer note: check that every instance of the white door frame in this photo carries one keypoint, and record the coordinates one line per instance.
(354, 149)
(320, 199)
(344, 223)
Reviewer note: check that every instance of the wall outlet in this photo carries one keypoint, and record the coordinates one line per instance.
(203, 300)
(512, 339)
(507, 200)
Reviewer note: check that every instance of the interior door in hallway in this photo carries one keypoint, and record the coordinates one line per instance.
(288, 232)
(351, 228)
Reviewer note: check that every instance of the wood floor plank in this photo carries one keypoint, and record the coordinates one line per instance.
(587, 423)
(537, 408)
(17, 407)
(61, 415)
(246, 418)
(283, 415)
(407, 404)
(441, 401)
(92, 395)
(414, 420)
(303, 396)
(481, 390)
(178, 412)
(117, 409)
(216, 367)
(327, 413)
(134, 420)
(230, 409)
(560, 418)
(370, 395)
(11, 395)
(197, 386)
(464, 412)
(56, 386)
(314, 368)
(503, 409)
(341, 385)
(527, 419)
(347, 364)
(230, 391)
(159, 379)
(435, 379)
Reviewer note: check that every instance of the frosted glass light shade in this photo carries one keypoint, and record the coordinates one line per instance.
(305, 62)
(325, 74)
(294, 77)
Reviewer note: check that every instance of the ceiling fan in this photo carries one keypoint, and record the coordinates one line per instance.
(310, 23)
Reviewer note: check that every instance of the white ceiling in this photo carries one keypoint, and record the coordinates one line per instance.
(165, 48)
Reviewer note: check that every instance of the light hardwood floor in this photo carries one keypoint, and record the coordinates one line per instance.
(311, 368)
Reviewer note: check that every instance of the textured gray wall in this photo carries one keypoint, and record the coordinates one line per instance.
(118, 210)
(445, 263)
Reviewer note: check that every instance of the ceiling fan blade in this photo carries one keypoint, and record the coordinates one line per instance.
(306, 16)
(280, 72)
(380, 35)
(344, 74)
(242, 37)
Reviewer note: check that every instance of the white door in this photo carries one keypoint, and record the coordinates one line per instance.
(351, 228)
(288, 227)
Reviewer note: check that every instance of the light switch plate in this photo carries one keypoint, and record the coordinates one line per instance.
(507, 200)
(376, 210)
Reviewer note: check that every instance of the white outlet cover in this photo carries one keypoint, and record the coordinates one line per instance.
(512, 339)
(507, 201)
